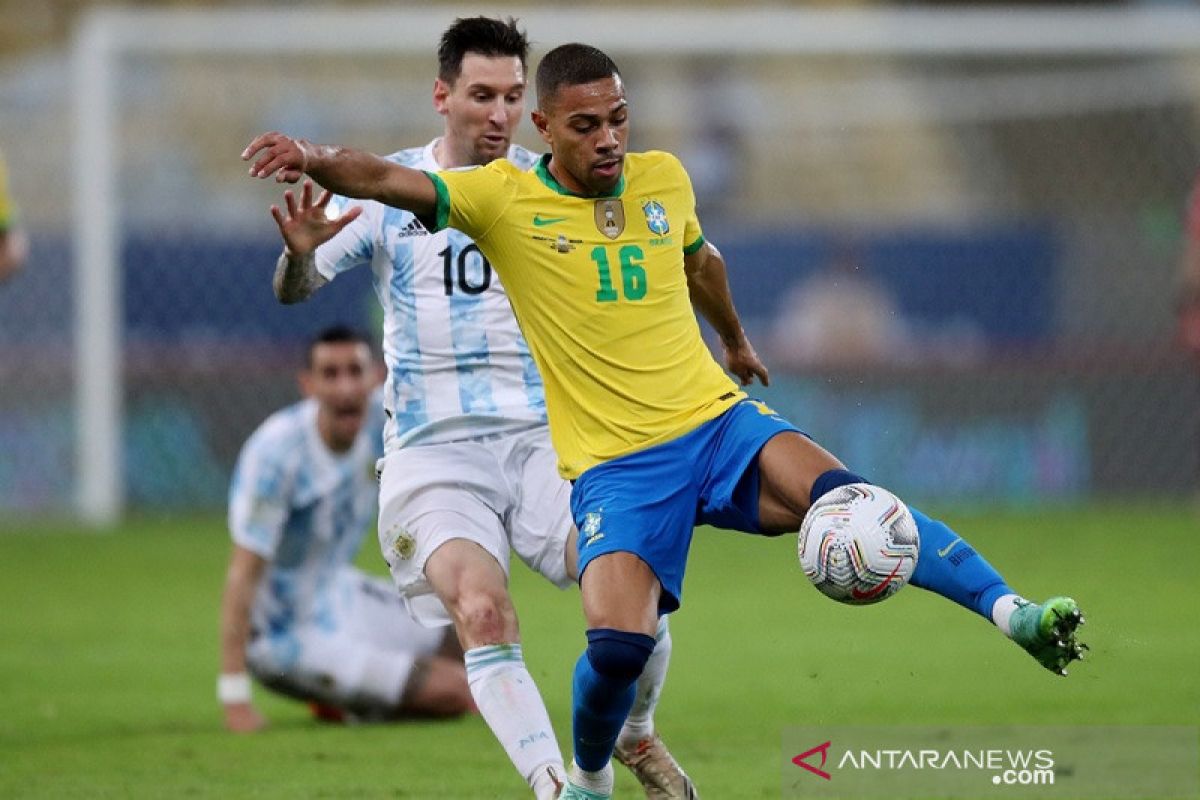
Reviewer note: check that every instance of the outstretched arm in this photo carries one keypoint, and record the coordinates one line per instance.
(304, 228)
(353, 173)
(708, 287)
(245, 571)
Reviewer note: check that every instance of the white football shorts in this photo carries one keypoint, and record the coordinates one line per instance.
(357, 655)
(502, 492)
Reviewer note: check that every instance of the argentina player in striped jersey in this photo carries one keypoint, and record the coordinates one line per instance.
(469, 474)
(294, 612)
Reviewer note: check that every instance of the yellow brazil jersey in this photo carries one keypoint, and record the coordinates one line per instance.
(598, 287)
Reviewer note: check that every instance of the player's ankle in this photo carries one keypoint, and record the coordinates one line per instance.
(635, 730)
(547, 780)
(600, 780)
(1003, 610)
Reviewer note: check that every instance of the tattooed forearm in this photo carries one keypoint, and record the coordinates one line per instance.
(296, 277)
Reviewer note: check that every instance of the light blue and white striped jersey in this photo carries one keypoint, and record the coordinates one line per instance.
(305, 509)
(457, 363)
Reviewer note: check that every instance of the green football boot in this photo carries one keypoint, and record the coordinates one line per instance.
(1047, 632)
(572, 792)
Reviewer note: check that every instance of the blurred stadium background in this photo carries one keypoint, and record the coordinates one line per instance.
(954, 233)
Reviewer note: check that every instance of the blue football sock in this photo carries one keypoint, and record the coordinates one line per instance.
(604, 690)
(949, 566)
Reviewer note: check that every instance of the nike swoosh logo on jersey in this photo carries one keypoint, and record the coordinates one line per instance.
(945, 551)
(540, 221)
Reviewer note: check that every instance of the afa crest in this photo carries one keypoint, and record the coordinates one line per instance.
(656, 218)
(404, 546)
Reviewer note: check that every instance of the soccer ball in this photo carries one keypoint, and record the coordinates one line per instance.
(858, 544)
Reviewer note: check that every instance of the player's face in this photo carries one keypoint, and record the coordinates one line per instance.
(482, 108)
(587, 126)
(340, 377)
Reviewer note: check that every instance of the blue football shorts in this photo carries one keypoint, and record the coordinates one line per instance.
(648, 502)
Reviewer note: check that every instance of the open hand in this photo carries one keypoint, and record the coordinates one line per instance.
(306, 225)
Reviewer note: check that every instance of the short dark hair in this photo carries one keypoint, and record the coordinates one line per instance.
(483, 35)
(334, 334)
(571, 65)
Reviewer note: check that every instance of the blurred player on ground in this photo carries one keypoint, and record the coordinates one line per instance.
(469, 471)
(604, 259)
(295, 613)
(13, 245)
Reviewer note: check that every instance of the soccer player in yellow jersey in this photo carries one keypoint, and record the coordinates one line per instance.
(603, 257)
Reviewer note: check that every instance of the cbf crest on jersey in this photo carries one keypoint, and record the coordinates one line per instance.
(610, 217)
(656, 217)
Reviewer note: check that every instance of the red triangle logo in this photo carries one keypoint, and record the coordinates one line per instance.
(823, 749)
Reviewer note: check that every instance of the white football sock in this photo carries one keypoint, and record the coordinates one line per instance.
(547, 780)
(600, 782)
(1002, 611)
(640, 722)
(511, 705)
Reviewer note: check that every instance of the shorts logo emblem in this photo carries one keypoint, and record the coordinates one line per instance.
(591, 532)
(405, 545)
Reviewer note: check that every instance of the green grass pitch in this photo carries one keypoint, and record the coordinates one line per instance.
(109, 654)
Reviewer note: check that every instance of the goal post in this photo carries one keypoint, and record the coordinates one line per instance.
(677, 40)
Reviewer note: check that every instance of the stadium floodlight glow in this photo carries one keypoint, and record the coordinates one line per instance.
(107, 36)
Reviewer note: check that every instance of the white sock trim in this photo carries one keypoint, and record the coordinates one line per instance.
(1002, 611)
(601, 781)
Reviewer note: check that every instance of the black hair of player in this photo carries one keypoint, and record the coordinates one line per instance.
(484, 36)
(571, 65)
(334, 334)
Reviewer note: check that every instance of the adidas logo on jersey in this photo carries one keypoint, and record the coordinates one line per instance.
(413, 228)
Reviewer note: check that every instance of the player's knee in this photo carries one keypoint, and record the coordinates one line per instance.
(620, 655)
(485, 617)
